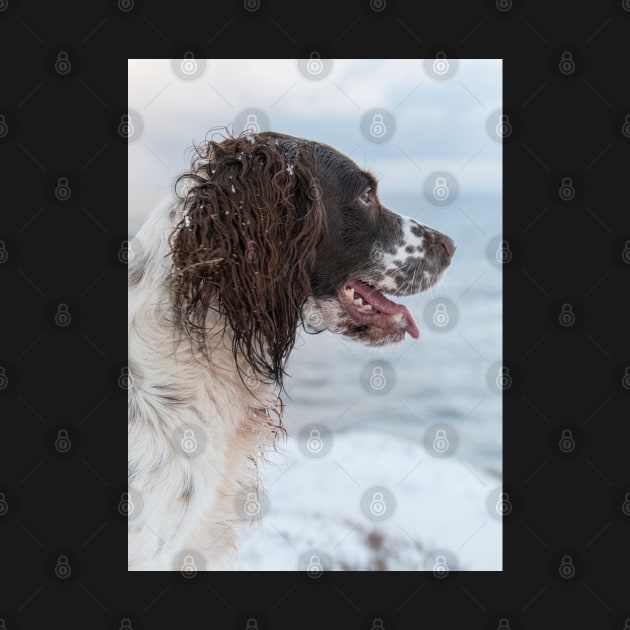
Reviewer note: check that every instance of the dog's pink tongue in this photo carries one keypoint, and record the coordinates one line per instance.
(379, 302)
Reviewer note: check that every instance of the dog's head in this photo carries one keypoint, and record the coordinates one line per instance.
(276, 230)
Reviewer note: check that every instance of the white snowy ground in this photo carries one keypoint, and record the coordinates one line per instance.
(445, 510)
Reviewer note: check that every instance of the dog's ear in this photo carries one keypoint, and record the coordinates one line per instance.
(245, 246)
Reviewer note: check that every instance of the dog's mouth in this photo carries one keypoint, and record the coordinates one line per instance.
(367, 307)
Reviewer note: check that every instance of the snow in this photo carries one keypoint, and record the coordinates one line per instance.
(315, 509)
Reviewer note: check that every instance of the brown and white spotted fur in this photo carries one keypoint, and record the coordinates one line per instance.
(268, 232)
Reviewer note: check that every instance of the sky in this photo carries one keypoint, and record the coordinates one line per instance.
(432, 117)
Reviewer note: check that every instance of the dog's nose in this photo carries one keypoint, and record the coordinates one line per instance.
(448, 244)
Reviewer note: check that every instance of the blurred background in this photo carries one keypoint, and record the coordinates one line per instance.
(393, 456)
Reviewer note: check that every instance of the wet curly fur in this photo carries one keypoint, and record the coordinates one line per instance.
(245, 247)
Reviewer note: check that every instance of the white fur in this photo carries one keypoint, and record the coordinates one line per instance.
(170, 387)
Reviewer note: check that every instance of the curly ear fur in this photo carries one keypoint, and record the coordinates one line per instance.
(245, 247)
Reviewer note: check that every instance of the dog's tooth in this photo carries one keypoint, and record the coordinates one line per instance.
(397, 317)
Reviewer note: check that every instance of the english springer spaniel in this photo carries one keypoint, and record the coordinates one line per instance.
(265, 233)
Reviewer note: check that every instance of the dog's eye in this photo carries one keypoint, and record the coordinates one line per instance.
(367, 196)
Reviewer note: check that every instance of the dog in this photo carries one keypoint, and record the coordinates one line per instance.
(265, 233)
